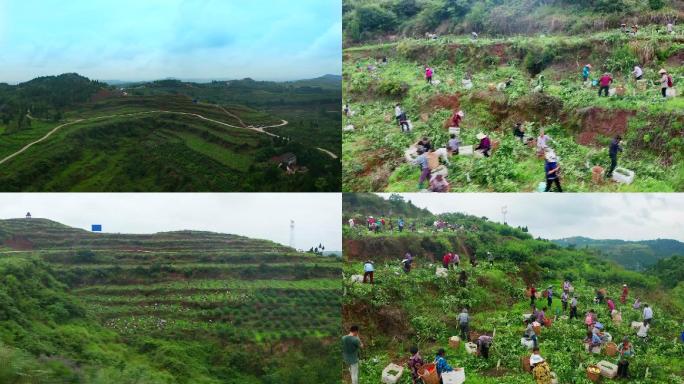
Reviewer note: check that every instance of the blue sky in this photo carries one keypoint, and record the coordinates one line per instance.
(152, 39)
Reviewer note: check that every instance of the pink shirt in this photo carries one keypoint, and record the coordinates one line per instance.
(428, 72)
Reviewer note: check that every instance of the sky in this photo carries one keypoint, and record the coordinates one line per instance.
(628, 216)
(317, 216)
(133, 40)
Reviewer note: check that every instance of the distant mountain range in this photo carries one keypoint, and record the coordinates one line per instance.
(634, 255)
(325, 79)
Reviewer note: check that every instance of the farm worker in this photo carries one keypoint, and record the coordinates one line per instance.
(625, 291)
(463, 323)
(670, 27)
(533, 295)
(540, 369)
(371, 223)
(604, 83)
(643, 330)
(490, 258)
(611, 305)
(397, 112)
(473, 260)
(485, 144)
(600, 295)
(665, 81)
(623, 28)
(637, 303)
(378, 226)
(595, 339)
(346, 109)
(589, 319)
(519, 132)
(351, 223)
(626, 350)
(446, 260)
(441, 363)
(463, 279)
(432, 159)
(401, 224)
(613, 150)
(564, 300)
(453, 144)
(473, 35)
(439, 184)
(549, 295)
(424, 168)
(541, 315)
(368, 269)
(407, 261)
(542, 142)
(552, 169)
(428, 75)
(638, 72)
(573, 308)
(635, 29)
(566, 286)
(586, 71)
(648, 314)
(530, 333)
(425, 143)
(414, 363)
(351, 344)
(403, 123)
(455, 259)
(483, 344)
(456, 118)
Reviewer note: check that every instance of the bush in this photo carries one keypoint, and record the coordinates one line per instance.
(372, 17)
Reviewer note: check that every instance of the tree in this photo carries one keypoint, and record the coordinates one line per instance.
(374, 18)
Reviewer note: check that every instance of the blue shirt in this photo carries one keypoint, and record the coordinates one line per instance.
(549, 167)
(442, 365)
(422, 161)
(585, 71)
(614, 148)
(368, 267)
(401, 223)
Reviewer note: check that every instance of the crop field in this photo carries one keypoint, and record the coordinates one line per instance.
(171, 136)
(580, 123)
(421, 308)
(189, 295)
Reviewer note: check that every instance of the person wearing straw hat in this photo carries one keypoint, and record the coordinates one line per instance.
(604, 84)
(665, 81)
(625, 292)
(456, 118)
(540, 369)
(485, 144)
(586, 71)
(552, 169)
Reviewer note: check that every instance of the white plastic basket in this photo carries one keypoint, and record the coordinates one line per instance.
(608, 370)
(457, 376)
(466, 150)
(392, 373)
(454, 131)
(623, 175)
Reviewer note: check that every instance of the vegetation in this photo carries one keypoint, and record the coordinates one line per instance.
(580, 123)
(176, 307)
(635, 255)
(168, 135)
(368, 20)
(420, 308)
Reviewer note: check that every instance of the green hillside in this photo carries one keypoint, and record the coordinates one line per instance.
(420, 308)
(166, 136)
(580, 123)
(173, 307)
(635, 255)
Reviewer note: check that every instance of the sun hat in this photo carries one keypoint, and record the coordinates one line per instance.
(536, 359)
(480, 136)
(662, 71)
(460, 113)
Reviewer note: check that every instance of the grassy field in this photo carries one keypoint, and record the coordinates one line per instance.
(196, 307)
(580, 123)
(420, 308)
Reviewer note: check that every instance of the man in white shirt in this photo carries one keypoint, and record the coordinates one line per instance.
(397, 112)
(638, 72)
(648, 314)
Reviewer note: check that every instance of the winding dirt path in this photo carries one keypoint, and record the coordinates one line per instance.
(251, 128)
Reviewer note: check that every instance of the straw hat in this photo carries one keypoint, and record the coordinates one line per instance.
(588, 65)
(480, 136)
(460, 113)
(550, 156)
(662, 71)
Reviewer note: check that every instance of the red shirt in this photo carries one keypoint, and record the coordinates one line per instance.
(455, 120)
(533, 291)
(446, 259)
(605, 80)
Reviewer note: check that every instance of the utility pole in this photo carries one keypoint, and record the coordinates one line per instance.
(292, 234)
(504, 211)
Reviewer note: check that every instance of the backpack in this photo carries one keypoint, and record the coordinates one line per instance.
(670, 83)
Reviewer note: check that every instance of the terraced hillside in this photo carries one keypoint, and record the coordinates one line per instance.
(421, 308)
(580, 123)
(203, 307)
(179, 137)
